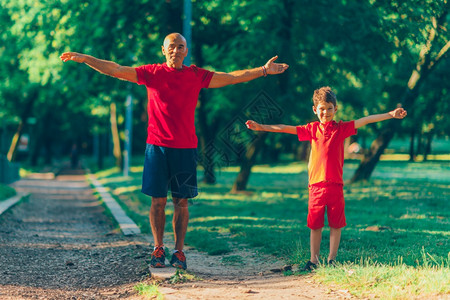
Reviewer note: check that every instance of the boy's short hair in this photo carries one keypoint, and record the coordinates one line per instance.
(324, 94)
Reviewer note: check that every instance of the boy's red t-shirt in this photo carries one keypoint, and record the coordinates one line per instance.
(172, 98)
(326, 159)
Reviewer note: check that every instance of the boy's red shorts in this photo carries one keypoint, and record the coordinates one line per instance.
(331, 196)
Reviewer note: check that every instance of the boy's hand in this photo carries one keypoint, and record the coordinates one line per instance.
(398, 113)
(253, 125)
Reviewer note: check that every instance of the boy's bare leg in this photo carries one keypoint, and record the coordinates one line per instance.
(158, 219)
(335, 238)
(315, 239)
(180, 221)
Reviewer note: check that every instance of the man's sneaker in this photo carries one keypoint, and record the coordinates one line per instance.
(309, 266)
(178, 260)
(332, 263)
(158, 259)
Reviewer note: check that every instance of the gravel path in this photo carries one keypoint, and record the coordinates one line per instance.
(59, 244)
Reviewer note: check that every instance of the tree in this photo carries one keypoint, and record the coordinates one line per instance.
(433, 51)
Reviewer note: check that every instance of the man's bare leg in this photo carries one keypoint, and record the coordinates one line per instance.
(180, 221)
(158, 219)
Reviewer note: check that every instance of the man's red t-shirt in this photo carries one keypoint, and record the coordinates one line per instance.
(326, 160)
(172, 98)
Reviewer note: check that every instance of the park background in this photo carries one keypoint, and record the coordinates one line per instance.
(375, 55)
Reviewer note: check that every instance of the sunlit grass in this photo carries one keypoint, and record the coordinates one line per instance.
(291, 168)
(419, 158)
(369, 279)
(149, 291)
(182, 276)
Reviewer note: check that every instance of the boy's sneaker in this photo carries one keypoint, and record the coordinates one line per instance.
(178, 260)
(158, 259)
(309, 266)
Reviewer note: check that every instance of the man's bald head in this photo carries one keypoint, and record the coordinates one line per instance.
(174, 37)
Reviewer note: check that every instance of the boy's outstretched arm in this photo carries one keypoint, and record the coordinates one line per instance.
(271, 128)
(398, 113)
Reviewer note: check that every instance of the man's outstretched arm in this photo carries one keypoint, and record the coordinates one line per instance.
(221, 79)
(103, 66)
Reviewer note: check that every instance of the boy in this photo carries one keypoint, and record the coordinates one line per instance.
(325, 166)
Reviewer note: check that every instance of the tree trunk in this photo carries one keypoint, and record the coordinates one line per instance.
(377, 148)
(15, 143)
(206, 139)
(36, 151)
(48, 142)
(117, 152)
(424, 66)
(11, 156)
(240, 184)
(419, 142)
(285, 33)
(412, 156)
(101, 150)
(427, 149)
(302, 151)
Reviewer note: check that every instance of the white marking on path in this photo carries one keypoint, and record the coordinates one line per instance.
(127, 225)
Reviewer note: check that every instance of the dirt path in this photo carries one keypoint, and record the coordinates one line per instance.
(255, 278)
(59, 244)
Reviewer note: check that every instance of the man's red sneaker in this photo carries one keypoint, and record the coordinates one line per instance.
(158, 259)
(178, 260)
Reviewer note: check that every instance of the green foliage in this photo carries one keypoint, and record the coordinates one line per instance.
(6, 192)
(364, 50)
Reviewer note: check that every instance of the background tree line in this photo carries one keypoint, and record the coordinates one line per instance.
(374, 54)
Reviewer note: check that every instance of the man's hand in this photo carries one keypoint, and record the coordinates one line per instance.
(74, 56)
(398, 113)
(253, 125)
(106, 67)
(274, 68)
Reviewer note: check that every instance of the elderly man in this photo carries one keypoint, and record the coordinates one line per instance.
(171, 152)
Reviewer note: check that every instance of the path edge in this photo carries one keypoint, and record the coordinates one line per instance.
(10, 202)
(126, 224)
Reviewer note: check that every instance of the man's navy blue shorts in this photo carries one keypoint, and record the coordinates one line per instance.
(170, 168)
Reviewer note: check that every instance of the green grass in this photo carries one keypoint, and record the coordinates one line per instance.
(368, 279)
(149, 291)
(182, 276)
(234, 260)
(6, 192)
(397, 223)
